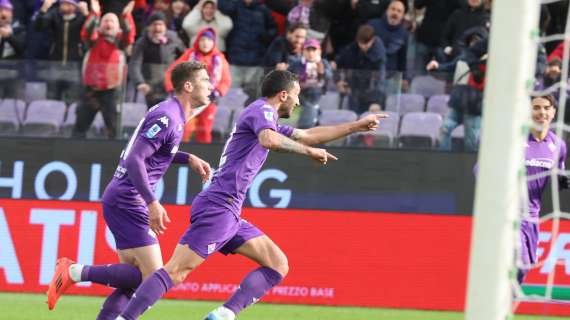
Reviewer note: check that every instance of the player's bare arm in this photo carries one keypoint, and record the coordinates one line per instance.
(275, 141)
(324, 134)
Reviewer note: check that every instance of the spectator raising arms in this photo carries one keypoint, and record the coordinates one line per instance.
(205, 51)
(103, 67)
(206, 15)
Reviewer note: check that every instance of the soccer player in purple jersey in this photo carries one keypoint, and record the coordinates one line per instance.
(130, 208)
(215, 218)
(544, 151)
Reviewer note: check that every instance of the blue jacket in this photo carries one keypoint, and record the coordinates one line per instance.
(395, 39)
(253, 30)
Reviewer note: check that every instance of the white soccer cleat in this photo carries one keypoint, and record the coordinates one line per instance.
(221, 313)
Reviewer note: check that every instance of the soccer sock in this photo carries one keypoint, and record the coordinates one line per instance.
(121, 275)
(147, 294)
(114, 304)
(253, 287)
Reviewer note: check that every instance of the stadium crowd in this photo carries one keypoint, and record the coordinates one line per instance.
(423, 61)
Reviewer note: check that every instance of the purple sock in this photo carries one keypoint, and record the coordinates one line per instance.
(114, 304)
(121, 275)
(252, 288)
(147, 294)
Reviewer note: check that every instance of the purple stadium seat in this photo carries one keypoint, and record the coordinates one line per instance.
(405, 103)
(438, 104)
(234, 99)
(11, 113)
(96, 129)
(35, 91)
(330, 101)
(385, 135)
(221, 126)
(427, 86)
(332, 117)
(43, 118)
(131, 116)
(420, 129)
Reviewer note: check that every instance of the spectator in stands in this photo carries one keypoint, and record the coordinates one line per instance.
(66, 50)
(157, 49)
(246, 44)
(12, 45)
(429, 33)
(103, 67)
(300, 13)
(205, 50)
(286, 49)
(391, 30)
(314, 73)
(361, 68)
(175, 15)
(466, 17)
(317, 21)
(206, 15)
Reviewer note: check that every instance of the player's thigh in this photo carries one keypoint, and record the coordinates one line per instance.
(266, 253)
(148, 258)
(182, 262)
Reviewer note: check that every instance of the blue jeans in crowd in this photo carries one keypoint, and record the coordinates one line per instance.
(472, 126)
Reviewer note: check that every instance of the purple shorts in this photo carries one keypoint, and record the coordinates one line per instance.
(214, 227)
(130, 226)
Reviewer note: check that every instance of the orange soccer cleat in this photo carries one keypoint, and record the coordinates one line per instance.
(60, 281)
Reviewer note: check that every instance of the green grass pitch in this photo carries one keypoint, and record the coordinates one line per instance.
(32, 306)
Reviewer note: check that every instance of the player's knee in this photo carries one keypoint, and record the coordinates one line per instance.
(177, 274)
(281, 265)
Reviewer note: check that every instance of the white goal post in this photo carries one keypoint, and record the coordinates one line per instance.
(509, 79)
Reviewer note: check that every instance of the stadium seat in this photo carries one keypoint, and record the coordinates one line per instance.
(438, 104)
(11, 114)
(222, 122)
(420, 130)
(384, 136)
(457, 136)
(332, 117)
(234, 99)
(405, 103)
(131, 116)
(329, 101)
(427, 86)
(35, 91)
(43, 118)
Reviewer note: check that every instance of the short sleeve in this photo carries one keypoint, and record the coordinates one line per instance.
(156, 130)
(262, 118)
(285, 130)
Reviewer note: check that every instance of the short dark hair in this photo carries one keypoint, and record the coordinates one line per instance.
(185, 71)
(548, 97)
(365, 33)
(277, 81)
(297, 25)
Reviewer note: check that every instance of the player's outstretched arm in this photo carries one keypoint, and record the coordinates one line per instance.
(324, 134)
(275, 141)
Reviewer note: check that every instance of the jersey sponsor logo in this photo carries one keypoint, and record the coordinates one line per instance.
(164, 121)
(268, 115)
(540, 163)
(211, 248)
(153, 131)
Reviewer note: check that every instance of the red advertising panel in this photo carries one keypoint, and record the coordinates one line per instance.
(336, 257)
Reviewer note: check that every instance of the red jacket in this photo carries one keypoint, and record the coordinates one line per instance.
(104, 65)
(221, 85)
(557, 53)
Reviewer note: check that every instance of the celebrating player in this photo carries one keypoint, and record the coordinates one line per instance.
(544, 150)
(130, 208)
(215, 218)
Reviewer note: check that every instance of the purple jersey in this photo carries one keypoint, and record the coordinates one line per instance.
(243, 155)
(161, 129)
(542, 156)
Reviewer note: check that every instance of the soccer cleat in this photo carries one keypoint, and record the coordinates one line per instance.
(60, 281)
(220, 313)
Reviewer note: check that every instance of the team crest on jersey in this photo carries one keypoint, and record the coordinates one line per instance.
(164, 121)
(153, 131)
(552, 147)
(268, 115)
